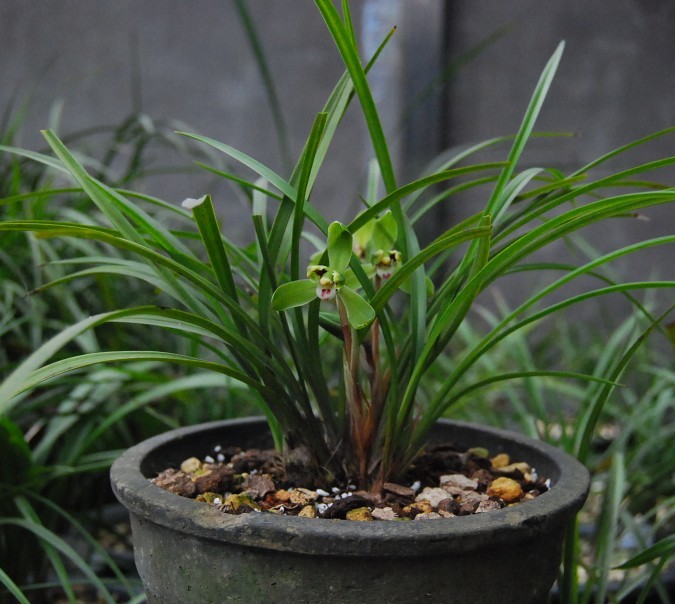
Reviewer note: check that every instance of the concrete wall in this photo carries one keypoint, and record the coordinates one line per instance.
(616, 83)
(195, 67)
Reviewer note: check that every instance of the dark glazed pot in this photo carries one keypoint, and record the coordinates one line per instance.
(187, 551)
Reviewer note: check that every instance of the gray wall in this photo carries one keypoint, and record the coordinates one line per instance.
(616, 81)
(195, 67)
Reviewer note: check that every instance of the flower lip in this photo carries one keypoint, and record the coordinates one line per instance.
(326, 293)
(386, 263)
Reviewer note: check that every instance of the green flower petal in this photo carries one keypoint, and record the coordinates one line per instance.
(295, 293)
(363, 236)
(359, 312)
(339, 247)
(385, 232)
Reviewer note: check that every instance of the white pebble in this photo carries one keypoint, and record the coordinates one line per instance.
(352, 487)
(322, 493)
(548, 483)
(321, 507)
(217, 449)
(220, 457)
(533, 474)
(209, 459)
(217, 501)
(415, 486)
(335, 490)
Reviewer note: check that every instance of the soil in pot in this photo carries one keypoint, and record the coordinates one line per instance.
(445, 482)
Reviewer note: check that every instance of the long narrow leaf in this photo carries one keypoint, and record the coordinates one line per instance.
(663, 549)
(209, 230)
(260, 169)
(346, 45)
(497, 200)
(50, 538)
(13, 588)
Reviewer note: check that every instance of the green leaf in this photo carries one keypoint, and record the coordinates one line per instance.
(608, 526)
(665, 548)
(15, 461)
(293, 294)
(339, 247)
(498, 200)
(209, 230)
(13, 588)
(349, 52)
(417, 185)
(82, 361)
(306, 163)
(266, 75)
(359, 312)
(51, 539)
(272, 177)
(13, 384)
(586, 425)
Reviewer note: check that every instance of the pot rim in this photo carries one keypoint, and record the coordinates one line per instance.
(550, 511)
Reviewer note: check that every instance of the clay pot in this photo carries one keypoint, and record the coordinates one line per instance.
(186, 551)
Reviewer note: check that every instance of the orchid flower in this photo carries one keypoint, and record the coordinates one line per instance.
(376, 239)
(329, 282)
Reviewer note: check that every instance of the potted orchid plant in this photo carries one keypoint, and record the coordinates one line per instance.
(275, 317)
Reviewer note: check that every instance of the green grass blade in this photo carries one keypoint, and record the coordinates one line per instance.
(519, 375)
(93, 543)
(662, 549)
(347, 48)
(209, 231)
(94, 189)
(12, 384)
(632, 145)
(609, 518)
(306, 163)
(240, 181)
(585, 427)
(28, 374)
(448, 319)
(267, 79)
(424, 209)
(395, 196)
(501, 332)
(335, 107)
(37, 157)
(63, 366)
(13, 588)
(517, 221)
(200, 285)
(260, 169)
(497, 200)
(50, 539)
